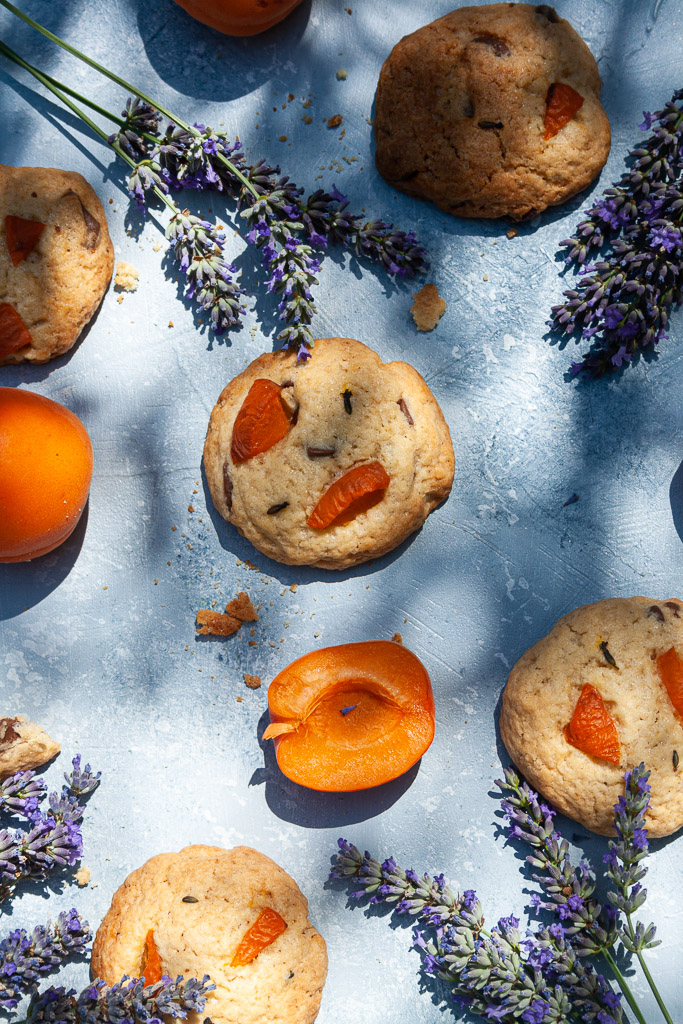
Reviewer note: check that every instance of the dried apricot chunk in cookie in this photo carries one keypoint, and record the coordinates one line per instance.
(151, 968)
(561, 105)
(592, 728)
(22, 236)
(262, 421)
(352, 494)
(670, 665)
(267, 927)
(13, 333)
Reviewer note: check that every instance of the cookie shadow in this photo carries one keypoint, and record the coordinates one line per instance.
(676, 499)
(25, 584)
(232, 541)
(309, 808)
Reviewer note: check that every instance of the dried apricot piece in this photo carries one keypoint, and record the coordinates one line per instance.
(353, 493)
(13, 333)
(561, 104)
(262, 421)
(670, 665)
(152, 969)
(266, 928)
(592, 728)
(351, 717)
(22, 236)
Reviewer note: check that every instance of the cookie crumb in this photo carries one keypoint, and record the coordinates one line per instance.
(342, 74)
(293, 588)
(428, 308)
(253, 682)
(397, 638)
(334, 121)
(512, 233)
(283, 138)
(241, 608)
(216, 623)
(82, 876)
(127, 277)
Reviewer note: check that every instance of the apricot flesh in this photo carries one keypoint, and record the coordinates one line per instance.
(46, 464)
(351, 717)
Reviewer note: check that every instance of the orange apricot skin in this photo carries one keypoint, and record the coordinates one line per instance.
(239, 17)
(670, 665)
(46, 464)
(389, 729)
(592, 728)
(265, 930)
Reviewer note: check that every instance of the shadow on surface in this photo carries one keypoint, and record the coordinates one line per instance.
(25, 584)
(676, 498)
(310, 809)
(179, 48)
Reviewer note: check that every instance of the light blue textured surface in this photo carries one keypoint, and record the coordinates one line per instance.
(97, 639)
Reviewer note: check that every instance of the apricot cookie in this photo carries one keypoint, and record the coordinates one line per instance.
(232, 914)
(23, 745)
(56, 259)
(600, 693)
(330, 462)
(491, 111)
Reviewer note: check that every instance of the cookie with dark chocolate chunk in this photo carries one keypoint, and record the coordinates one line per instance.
(56, 259)
(491, 111)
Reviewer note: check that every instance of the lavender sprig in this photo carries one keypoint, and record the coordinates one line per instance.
(128, 1002)
(21, 793)
(81, 781)
(25, 956)
(622, 303)
(198, 248)
(495, 974)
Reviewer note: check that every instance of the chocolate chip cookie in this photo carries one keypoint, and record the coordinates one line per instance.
(616, 653)
(56, 259)
(331, 462)
(491, 111)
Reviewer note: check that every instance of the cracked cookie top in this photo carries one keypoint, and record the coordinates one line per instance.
(491, 111)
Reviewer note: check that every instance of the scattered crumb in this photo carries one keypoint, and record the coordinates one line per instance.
(428, 308)
(170, 323)
(293, 588)
(111, 201)
(120, 299)
(253, 643)
(307, 119)
(348, 10)
(190, 508)
(290, 97)
(342, 73)
(511, 233)
(127, 277)
(283, 138)
(397, 638)
(307, 104)
(253, 682)
(334, 121)
(216, 623)
(238, 699)
(242, 608)
(157, 247)
(486, 277)
(82, 876)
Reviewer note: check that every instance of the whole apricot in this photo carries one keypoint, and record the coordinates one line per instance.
(46, 464)
(239, 17)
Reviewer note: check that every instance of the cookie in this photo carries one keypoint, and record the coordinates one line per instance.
(199, 904)
(23, 745)
(461, 106)
(354, 423)
(56, 259)
(610, 647)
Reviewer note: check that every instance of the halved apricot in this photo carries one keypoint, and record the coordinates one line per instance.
(13, 332)
(351, 717)
(22, 236)
(151, 969)
(262, 421)
(263, 932)
(561, 104)
(355, 492)
(592, 728)
(670, 665)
